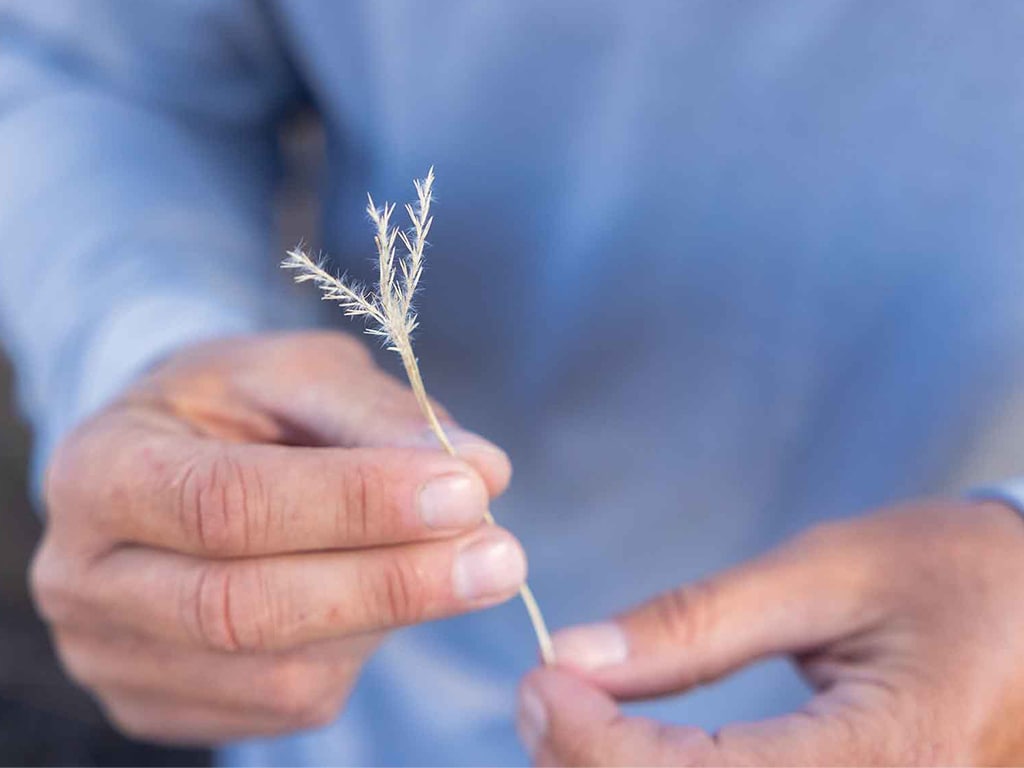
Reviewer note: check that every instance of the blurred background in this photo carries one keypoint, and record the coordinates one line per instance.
(44, 718)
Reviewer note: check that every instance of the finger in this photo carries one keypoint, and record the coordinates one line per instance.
(259, 604)
(216, 499)
(314, 388)
(563, 720)
(794, 599)
(283, 684)
(163, 720)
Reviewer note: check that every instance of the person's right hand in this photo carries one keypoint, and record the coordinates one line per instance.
(228, 542)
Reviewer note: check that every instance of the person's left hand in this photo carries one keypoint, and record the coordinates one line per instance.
(908, 623)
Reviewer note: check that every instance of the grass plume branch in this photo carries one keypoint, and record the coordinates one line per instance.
(390, 314)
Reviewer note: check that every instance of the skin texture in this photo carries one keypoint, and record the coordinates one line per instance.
(908, 623)
(229, 541)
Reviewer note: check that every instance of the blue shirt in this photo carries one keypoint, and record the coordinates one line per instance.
(722, 269)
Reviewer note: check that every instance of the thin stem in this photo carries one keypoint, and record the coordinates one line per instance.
(391, 309)
(412, 370)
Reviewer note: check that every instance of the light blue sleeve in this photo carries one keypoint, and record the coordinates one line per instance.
(137, 166)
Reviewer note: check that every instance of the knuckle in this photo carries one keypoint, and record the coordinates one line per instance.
(321, 714)
(137, 722)
(60, 478)
(201, 507)
(687, 613)
(297, 692)
(90, 478)
(130, 720)
(396, 594)
(209, 608)
(292, 689)
(69, 488)
(55, 593)
(76, 662)
(219, 500)
(43, 587)
(363, 499)
(228, 608)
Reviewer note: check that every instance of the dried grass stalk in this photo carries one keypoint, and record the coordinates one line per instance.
(389, 313)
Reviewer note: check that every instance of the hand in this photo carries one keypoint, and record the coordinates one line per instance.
(228, 542)
(909, 624)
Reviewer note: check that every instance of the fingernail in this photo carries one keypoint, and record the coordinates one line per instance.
(531, 720)
(490, 566)
(591, 646)
(464, 440)
(452, 501)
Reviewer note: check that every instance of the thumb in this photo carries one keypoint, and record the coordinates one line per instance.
(801, 596)
(563, 720)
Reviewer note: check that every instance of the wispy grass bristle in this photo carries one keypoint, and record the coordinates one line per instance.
(389, 313)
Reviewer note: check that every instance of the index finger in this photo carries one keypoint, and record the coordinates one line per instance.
(217, 499)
